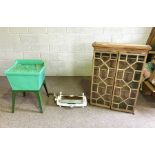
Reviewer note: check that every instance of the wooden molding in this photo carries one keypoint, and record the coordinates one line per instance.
(151, 36)
(120, 47)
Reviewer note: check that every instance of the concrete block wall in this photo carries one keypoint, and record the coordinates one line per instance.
(67, 51)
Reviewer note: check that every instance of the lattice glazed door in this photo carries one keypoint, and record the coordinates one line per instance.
(117, 73)
(104, 71)
(127, 81)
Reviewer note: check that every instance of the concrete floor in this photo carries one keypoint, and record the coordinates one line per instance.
(27, 116)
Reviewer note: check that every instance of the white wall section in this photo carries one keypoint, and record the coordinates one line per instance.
(67, 51)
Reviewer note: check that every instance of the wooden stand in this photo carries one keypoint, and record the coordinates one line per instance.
(117, 72)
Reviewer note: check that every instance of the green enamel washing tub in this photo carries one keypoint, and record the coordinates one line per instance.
(26, 75)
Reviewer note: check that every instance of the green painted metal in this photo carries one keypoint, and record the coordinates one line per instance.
(39, 101)
(46, 88)
(13, 101)
(26, 75)
(37, 93)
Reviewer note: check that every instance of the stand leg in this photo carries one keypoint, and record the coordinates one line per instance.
(24, 94)
(46, 89)
(13, 101)
(39, 101)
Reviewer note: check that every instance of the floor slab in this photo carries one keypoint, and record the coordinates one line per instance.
(27, 114)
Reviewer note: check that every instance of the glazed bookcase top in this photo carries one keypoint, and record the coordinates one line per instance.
(120, 47)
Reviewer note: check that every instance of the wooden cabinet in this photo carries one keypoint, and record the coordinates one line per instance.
(117, 72)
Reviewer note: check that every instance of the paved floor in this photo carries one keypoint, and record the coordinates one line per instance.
(27, 115)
